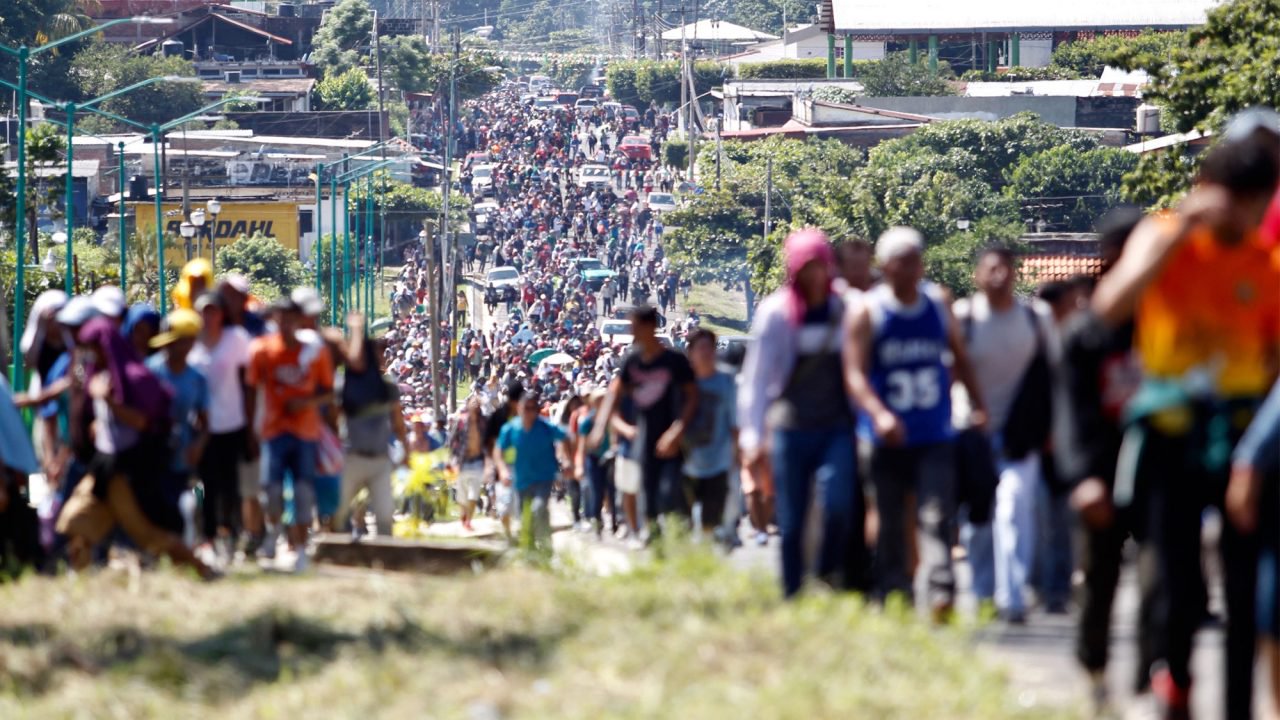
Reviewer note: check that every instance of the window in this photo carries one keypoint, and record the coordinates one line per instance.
(304, 221)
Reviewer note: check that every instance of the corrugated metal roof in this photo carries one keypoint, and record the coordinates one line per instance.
(931, 16)
(721, 30)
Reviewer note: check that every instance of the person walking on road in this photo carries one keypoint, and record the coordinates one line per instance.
(904, 333)
(712, 440)
(527, 458)
(796, 417)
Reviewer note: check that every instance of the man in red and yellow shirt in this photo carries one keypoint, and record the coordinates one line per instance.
(1203, 288)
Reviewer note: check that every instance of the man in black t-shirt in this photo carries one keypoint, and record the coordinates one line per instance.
(661, 384)
(501, 498)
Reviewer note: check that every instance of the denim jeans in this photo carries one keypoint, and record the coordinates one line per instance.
(290, 454)
(801, 459)
(1014, 530)
(601, 484)
(1053, 547)
(979, 545)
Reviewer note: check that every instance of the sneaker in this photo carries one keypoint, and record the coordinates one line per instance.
(1172, 702)
(1099, 697)
(635, 543)
(1013, 617)
(301, 562)
(269, 542)
(622, 533)
(762, 538)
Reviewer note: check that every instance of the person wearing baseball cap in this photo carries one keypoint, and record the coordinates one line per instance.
(189, 410)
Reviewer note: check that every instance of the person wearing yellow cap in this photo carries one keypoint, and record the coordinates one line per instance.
(190, 406)
(196, 277)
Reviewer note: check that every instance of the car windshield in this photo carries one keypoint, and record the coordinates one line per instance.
(504, 274)
(623, 328)
(634, 140)
(590, 264)
(482, 172)
(595, 170)
(662, 198)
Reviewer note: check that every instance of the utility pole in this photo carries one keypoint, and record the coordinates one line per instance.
(450, 248)
(382, 138)
(433, 326)
(635, 29)
(768, 197)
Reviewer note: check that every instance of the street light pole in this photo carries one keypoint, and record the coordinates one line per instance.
(156, 139)
(318, 215)
(17, 378)
(124, 283)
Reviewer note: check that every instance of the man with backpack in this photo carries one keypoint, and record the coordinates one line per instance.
(1009, 343)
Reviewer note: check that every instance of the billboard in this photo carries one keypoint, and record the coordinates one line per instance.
(274, 219)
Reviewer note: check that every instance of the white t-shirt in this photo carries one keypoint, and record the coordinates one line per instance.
(221, 366)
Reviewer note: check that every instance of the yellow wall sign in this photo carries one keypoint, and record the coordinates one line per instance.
(275, 219)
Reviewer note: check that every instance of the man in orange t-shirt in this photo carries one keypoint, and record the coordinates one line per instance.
(292, 388)
(1203, 289)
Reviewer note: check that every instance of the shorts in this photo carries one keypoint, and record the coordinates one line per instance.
(505, 500)
(297, 457)
(328, 494)
(627, 475)
(756, 482)
(470, 481)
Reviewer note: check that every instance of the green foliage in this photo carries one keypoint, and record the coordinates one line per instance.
(1160, 178)
(833, 94)
(788, 69)
(527, 25)
(895, 76)
(46, 143)
(349, 91)
(272, 268)
(950, 262)
(568, 73)
(335, 46)
(675, 152)
(409, 65)
(1021, 73)
(639, 82)
(762, 15)
(1225, 66)
(103, 67)
(719, 235)
(995, 146)
(574, 40)
(620, 79)
(1069, 189)
(1087, 58)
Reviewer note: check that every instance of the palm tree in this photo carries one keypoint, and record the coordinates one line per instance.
(66, 17)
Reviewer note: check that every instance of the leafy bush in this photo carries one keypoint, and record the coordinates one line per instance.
(1069, 189)
(1087, 58)
(1021, 73)
(784, 69)
(640, 82)
(675, 152)
(273, 269)
(834, 94)
(348, 91)
(896, 76)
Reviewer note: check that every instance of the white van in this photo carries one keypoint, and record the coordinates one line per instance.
(539, 83)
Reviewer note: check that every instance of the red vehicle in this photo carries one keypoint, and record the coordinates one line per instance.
(476, 158)
(636, 147)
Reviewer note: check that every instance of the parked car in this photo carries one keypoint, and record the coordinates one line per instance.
(484, 212)
(476, 158)
(611, 109)
(630, 113)
(591, 91)
(586, 104)
(502, 283)
(593, 271)
(636, 147)
(617, 332)
(481, 180)
(590, 176)
(539, 83)
(661, 202)
(623, 312)
(566, 100)
(544, 102)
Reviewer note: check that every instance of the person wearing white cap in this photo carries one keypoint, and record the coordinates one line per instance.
(903, 332)
(109, 301)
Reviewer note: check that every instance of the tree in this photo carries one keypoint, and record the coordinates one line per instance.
(1160, 178)
(950, 262)
(335, 46)
(763, 15)
(896, 76)
(1069, 189)
(788, 69)
(273, 269)
(348, 91)
(102, 67)
(1226, 65)
(621, 81)
(1088, 58)
(407, 63)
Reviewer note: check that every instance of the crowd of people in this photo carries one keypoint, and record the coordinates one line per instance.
(998, 430)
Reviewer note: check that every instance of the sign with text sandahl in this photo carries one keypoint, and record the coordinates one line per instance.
(273, 219)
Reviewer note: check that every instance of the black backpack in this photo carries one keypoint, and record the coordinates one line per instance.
(1030, 420)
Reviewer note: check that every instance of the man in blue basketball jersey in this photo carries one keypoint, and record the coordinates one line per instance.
(905, 335)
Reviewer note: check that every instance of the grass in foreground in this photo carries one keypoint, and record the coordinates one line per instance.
(723, 311)
(684, 638)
